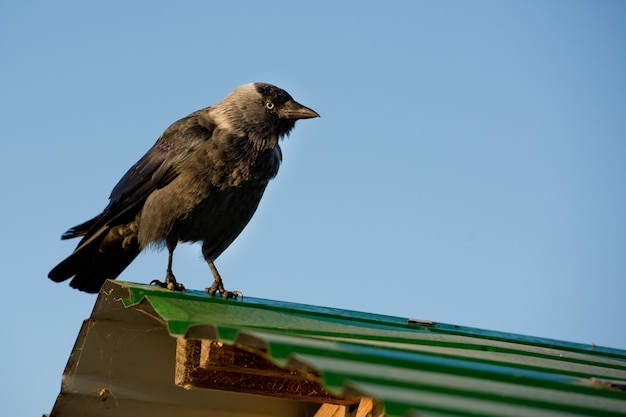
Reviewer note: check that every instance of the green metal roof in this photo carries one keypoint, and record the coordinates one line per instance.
(412, 367)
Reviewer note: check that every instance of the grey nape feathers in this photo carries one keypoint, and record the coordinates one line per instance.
(201, 181)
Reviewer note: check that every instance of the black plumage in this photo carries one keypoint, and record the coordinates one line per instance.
(201, 181)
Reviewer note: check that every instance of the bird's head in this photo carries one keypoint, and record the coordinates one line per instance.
(262, 110)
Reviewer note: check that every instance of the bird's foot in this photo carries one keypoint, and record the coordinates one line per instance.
(218, 287)
(170, 283)
(172, 286)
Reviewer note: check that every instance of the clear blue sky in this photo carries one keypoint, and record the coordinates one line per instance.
(469, 166)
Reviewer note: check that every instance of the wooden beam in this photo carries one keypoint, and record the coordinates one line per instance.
(210, 364)
(367, 407)
(332, 410)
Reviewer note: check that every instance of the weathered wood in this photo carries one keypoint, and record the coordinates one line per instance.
(211, 364)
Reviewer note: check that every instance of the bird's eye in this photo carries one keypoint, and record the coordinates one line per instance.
(269, 105)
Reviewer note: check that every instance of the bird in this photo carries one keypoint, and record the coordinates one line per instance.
(201, 181)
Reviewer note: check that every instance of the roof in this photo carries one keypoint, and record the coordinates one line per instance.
(410, 367)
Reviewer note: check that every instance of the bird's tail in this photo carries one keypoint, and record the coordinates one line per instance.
(102, 254)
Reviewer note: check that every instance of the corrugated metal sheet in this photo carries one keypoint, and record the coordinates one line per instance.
(412, 367)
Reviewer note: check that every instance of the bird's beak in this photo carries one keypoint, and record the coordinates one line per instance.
(294, 111)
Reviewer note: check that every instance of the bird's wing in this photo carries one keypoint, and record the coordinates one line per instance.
(90, 264)
(156, 169)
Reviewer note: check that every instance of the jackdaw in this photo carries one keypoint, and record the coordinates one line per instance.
(201, 181)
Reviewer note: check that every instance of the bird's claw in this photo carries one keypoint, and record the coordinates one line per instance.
(232, 294)
(171, 285)
(214, 289)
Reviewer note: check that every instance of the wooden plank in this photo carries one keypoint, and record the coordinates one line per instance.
(213, 365)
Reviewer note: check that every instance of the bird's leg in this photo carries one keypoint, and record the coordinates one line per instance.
(170, 280)
(218, 285)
